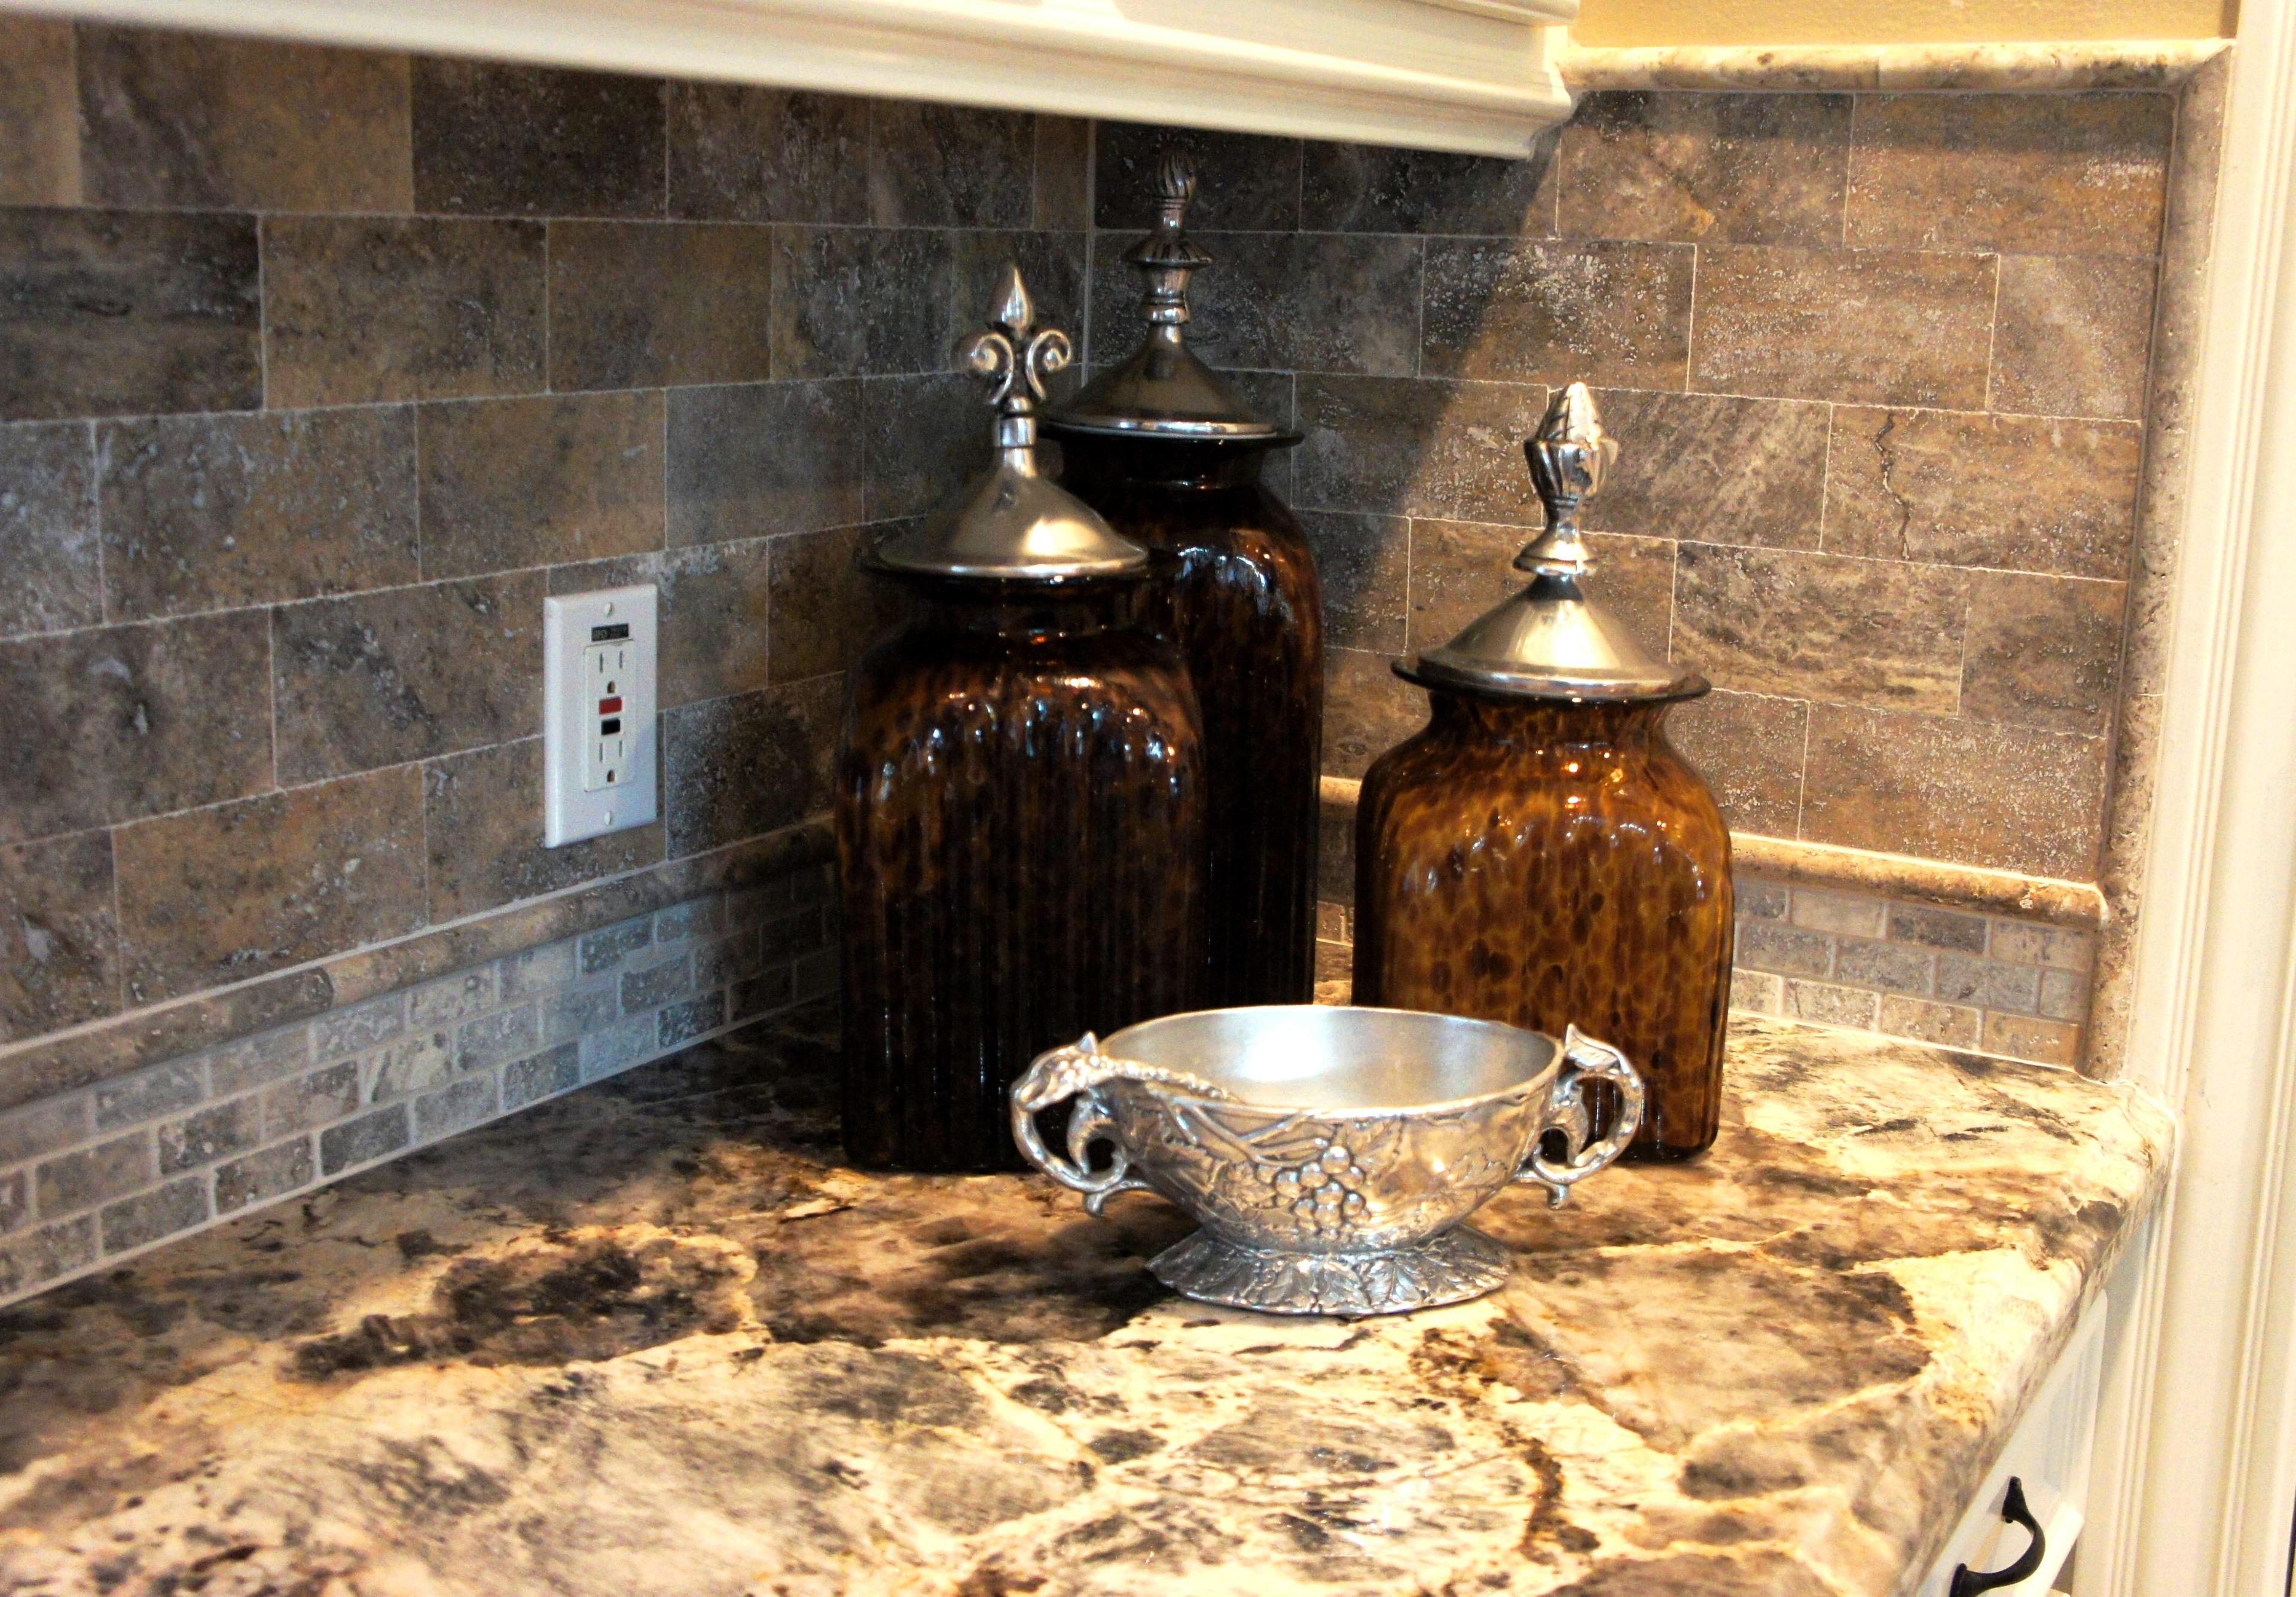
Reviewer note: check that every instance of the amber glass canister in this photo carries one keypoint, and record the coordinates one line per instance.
(1540, 853)
(1020, 799)
(1171, 456)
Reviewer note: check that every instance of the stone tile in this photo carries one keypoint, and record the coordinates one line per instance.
(1367, 710)
(2026, 493)
(260, 1177)
(1749, 748)
(223, 894)
(2028, 1037)
(147, 1095)
(762, 995)
(206, 123)
(1610, 313)
(648, 986)
(2033, 174)
(453, 998)
(848, 301)
(737, 767)
(739, 152)
(1760, 900)
(201, 513)
(453, 1107)
(483, 834)
(1848, 914)
(249, 1062)
(1787, 950)
(88, 1176)
(749, 461)
(359, 1027)
(1830, 1005)
(1941, 1025)
(144, 1219)
(729, 959)
(695, 918)
(711, 606)
(1892, 967)
(545, 1076)
(39, 116)
(121, 722)
(416, 1063)
(380, 679)
(822, 609)
(1063, 175)
(508, 483)
(1934, 927)
(1756, 992)
(1459, 569)
(2072, 335)
(543, 969)
(922, 438)
(1242, 179)
(1414, 447)
(1819, 625)
(950, 165)
(683, 1022)
(637, 306)
(1374, 188)
(326, 1094)
(122, 312)
(2012, 797)
(361, 1141)
(58, 941)
(789, 936)
(49, 573)
(1716, 469)
(502, 140)
(619, 1047)
(15, 1200)
(1054, 265)
(362, 308)
(44, 1254)
(42, 1127)
(2064, 995)
(608, 949)
(1860, 327)
(569, 1016)
(2042, 651)
(2060, 947)
(1719, 168)
(210, 1135)
(1365, 562)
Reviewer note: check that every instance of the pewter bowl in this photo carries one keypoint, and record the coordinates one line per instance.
(1330, 1153)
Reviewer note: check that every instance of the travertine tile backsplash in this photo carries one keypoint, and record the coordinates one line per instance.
(319, 369)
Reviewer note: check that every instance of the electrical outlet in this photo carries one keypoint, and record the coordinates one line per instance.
(598, 737)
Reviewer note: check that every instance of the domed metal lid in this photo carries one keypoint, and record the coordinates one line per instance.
(1162, 391)
(1011, 524)
(1550, 641)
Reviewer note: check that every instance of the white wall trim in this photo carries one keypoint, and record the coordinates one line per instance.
(2196, 1487)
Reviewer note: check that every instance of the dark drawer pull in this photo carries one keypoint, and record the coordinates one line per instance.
(1969, 1583)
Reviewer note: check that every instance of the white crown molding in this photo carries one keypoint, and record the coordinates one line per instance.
(1440, 74)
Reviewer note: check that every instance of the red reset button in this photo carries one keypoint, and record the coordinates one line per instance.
(609, 707)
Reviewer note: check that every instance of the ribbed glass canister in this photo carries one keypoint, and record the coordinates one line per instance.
(1540, 854)
(1021, 802)
(1172, 457)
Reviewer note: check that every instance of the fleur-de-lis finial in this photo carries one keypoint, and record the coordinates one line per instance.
(1014, 355)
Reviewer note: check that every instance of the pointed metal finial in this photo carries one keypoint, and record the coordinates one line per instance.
(1015, 357)
(1569, 459)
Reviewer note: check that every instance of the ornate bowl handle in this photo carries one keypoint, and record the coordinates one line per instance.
(1567, 1112)
(1077, 1072)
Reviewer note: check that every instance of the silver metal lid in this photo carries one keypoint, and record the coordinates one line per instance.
(1162, 391)
(1550, 641)
(1011, 524)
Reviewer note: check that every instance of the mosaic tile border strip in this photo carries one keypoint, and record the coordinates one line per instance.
(90, 1178)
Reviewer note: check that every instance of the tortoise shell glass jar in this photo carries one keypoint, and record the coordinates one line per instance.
(1540, 854)
(1021, 803)
(1172, 457)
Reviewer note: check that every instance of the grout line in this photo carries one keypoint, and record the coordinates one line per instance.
(271, 687)
(1993, 333)
(1690, 327)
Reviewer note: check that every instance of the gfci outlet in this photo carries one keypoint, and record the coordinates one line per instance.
(599, 739)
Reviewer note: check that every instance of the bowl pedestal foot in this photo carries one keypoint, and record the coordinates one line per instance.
(1461, 1263)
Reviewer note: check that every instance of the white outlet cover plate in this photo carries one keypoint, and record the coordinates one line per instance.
(572, 623)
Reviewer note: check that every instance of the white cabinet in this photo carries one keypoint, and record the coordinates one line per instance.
(1467, 75)
(2048, 1457)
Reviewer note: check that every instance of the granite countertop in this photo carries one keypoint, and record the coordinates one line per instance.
(652, 1338)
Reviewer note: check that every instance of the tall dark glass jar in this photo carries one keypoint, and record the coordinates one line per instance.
(1540, 854)
(1170, 454)
(1020, 802)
